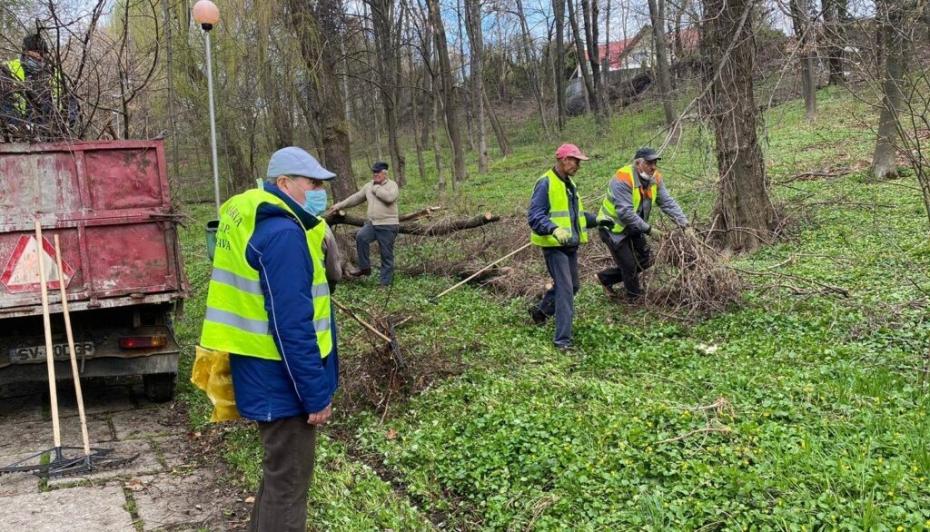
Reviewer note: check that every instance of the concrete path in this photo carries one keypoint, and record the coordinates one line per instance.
(168, 486)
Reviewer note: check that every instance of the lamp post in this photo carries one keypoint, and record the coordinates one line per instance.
(207, 15)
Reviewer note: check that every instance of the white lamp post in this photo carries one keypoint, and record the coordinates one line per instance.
(207, 15)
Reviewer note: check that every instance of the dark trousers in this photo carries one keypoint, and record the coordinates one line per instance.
(559, 301)
(631, 255)
(287, 469)
(385, 235)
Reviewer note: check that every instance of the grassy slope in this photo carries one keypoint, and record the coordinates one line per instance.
(828, 421)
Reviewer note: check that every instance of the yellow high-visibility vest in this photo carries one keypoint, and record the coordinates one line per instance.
(560, 214)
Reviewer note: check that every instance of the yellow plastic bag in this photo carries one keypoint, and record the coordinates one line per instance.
(211, 374)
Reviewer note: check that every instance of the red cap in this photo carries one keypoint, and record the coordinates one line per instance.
(570, 150)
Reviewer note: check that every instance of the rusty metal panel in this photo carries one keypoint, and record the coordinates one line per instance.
(109, 204)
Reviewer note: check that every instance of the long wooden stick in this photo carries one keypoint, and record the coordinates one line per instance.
(482, 270)
(74, 367)
(49, 349)
(364, 323)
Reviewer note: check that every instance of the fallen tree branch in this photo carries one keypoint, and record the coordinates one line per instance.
(441, 227)
(426, 211)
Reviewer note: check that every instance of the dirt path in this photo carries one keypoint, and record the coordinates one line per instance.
(175, 482)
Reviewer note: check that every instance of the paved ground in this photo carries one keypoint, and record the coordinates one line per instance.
(168, 486)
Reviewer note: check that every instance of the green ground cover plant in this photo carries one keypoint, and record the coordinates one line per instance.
(803, 409)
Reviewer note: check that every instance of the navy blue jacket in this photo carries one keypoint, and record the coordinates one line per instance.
(538, 213)
(300, 383)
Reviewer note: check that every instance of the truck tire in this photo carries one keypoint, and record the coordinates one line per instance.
(159, 387)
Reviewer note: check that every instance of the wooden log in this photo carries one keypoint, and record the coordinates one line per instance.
(442, 227)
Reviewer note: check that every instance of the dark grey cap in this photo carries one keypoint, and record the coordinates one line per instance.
(378, 166)
(647, 154)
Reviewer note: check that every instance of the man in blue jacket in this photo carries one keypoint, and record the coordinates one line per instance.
(268, 305)
(559, 225)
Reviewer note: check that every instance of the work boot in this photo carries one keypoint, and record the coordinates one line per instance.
(565, 348)
(538, 316)
(608, 288)
(363, 272)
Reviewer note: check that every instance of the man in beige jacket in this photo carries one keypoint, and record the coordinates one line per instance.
(382, 224)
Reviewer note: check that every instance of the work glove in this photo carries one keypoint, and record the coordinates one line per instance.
(655, 234)
(562, 234)
(606, 223)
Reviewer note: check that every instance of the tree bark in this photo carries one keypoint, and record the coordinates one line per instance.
(582, 64)
(310, 23)
(895, 48)
(534, 65)
(388, 68)
(450, 106)
(442, 227)
(800, 18)
(657, 15)
(835, 16)
(590, 14)
(743, 213)
(476, 42)
(498, 129)
(558, 60)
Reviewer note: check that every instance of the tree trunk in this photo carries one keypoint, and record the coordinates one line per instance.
(590, 14)
(475, 39)
(498, 129)
(534, 66)
(310, 22)
(835, 16)
(450, 106)
(579, 51)
(657, 15)
(800, 18)
(415, 114)
(383, 24)
(558, 61)
(895, 48)
(743, 214)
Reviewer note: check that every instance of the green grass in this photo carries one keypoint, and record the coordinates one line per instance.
(821, 420)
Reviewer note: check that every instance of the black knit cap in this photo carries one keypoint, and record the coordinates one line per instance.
(35, 43)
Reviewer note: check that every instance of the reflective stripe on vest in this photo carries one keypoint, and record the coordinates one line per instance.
(15, 66)
(608, 209)
(235, 319)
(560, 214)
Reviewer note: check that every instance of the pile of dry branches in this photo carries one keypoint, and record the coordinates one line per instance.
(690, 277)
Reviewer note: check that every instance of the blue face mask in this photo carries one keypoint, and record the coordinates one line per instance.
(315, 201)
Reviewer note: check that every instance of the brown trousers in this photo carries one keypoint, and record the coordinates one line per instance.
(287, 470)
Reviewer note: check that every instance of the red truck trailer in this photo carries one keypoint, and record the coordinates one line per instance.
(109, 204)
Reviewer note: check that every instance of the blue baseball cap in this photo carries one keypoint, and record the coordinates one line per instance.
(294, 161)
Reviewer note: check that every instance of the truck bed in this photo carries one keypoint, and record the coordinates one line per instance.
(109, 204)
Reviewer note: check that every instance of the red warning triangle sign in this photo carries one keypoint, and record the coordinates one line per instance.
(22, 269)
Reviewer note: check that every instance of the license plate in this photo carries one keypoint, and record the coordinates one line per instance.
(36, 353)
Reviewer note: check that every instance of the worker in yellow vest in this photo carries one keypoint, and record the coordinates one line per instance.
(34, 102)
(559, 225)
(269, 307)
(631, 192)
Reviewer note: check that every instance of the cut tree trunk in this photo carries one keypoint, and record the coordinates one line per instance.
(743, 214)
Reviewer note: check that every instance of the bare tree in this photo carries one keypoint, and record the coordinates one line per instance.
(530, 54)
(311, 23)
(450, 106)
(835, 16)
(807, 52)
(387, 42)
(743, 214)
(657, 16)
(590, 94)
(476, 43)
(892, 18)
(558, 60)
